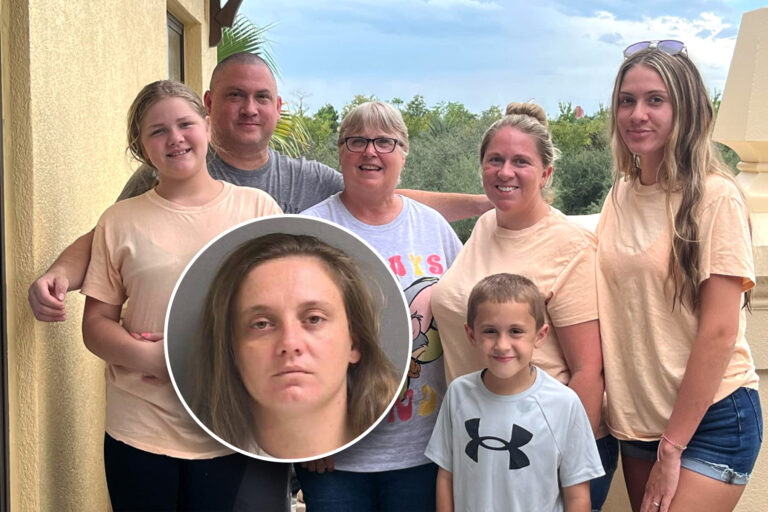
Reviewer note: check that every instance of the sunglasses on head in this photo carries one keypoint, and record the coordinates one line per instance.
(670, 46)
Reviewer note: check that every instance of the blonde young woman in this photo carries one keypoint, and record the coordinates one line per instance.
(674, 273)
(526, 236)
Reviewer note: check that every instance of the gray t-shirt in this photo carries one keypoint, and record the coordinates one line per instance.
(513, 452)
(295, 183)
(420, 246)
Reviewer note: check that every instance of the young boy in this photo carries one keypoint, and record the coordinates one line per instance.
(511, 437)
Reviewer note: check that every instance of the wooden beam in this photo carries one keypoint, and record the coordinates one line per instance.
(221, 17)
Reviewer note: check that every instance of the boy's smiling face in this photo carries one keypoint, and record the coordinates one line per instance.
(505, 334)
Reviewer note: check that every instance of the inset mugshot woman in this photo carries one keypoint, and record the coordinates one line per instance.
(289, 364)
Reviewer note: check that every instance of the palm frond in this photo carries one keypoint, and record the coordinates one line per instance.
(246, 36)
(291, 136)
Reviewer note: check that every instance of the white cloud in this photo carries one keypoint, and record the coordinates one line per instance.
(698, 34)
(476, 52)
(474, 4)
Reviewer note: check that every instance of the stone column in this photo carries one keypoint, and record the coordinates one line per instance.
(742, 124)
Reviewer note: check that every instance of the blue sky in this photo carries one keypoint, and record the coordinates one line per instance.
(481, 52)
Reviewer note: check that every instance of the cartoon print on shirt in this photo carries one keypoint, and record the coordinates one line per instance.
(426, 340)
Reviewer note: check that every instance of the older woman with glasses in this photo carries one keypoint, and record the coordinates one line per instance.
(674, 274)
(387, 470)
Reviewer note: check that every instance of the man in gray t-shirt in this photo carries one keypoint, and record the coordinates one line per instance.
(295, 183)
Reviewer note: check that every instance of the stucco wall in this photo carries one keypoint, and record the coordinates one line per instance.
(70, 71)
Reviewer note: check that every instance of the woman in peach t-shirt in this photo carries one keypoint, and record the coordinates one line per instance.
(674, 272)
(526, 236)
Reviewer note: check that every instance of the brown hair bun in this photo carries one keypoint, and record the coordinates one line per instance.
(528, 109)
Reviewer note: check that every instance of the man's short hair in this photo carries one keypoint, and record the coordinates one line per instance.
(503, 288)
(239, 58)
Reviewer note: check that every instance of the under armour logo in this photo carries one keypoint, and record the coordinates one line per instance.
(520, 437)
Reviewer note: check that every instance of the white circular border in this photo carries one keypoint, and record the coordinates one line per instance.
(345, 240)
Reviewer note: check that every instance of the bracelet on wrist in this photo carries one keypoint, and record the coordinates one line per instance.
(675, 445)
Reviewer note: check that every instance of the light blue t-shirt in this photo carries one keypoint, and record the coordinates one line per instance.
(419, 246)
(513, 452)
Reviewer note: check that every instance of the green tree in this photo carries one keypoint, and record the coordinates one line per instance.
(323, 130)
(447, 160)
(328, 114)
(571, 134)
(416, 116)
(582, 179)
(358, 100)
(583, 172)
(290, 135)
(490, 115)
(447, 116)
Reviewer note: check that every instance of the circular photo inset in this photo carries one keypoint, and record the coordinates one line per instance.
(288, 338)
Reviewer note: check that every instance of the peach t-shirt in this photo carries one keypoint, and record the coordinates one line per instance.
(140, 247)
(645, 344)
(555, 253)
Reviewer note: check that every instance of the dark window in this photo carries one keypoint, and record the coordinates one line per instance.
(175, 49)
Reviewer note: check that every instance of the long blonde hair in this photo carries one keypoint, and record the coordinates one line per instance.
(689, 156)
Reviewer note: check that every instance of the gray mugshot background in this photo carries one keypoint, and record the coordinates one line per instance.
(185, 310)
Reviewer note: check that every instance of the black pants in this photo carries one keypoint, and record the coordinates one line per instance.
(139, 480)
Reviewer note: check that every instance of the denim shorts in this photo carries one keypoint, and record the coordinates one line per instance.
(725, 445)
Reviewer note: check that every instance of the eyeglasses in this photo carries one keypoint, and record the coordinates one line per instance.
(670, 46)
(380, 144)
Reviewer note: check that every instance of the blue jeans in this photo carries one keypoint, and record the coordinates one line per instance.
(726, 443)
(411, 489)
(608, 448)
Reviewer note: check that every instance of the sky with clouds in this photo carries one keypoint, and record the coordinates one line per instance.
(482, 52)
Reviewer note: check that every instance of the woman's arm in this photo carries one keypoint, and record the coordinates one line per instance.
(451, 205)
(576, 498)
(711, 353)
(105, 337)
(46, 294)
(444, 490)
(584, 355)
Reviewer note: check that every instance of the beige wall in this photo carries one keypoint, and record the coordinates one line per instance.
(70, 71)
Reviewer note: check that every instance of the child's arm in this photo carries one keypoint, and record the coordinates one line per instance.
(444, 491)
(576, 498)
(105, 337)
